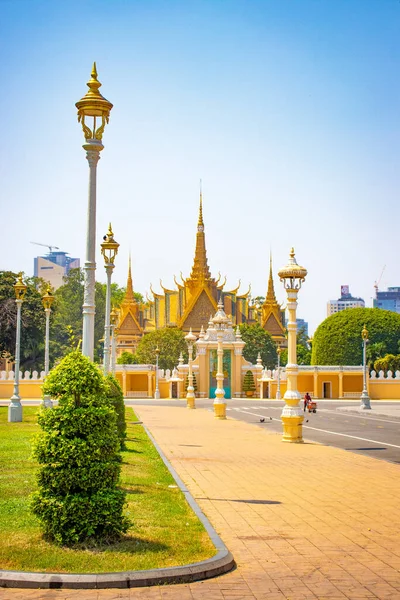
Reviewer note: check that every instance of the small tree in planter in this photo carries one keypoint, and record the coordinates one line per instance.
(249, 386)
(78, 449)
(116, 396)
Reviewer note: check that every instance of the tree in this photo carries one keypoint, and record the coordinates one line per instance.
(78, 499)
(337, 340)
(389, 362)
(32, 320)
(127, 358)
(170, 341)
(258, 341)
(375, 351)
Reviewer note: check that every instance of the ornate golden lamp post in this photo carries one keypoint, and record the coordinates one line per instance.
(365, 399)
(47, 302)
(157, 391)
(190, 398)
(220, 320)
(15, 406)
(113, 324)
(278, 387)
(93, 113)
(292, 276)
(109, 250)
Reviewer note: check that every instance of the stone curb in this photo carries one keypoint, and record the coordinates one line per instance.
(219, 564)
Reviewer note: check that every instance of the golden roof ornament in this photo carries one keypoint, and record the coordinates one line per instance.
(94, 105)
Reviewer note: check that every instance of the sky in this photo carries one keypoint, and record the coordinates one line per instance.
(287, 110)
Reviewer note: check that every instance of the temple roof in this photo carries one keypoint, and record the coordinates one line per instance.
(129, 298)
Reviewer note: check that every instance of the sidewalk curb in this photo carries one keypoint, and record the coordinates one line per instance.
(219, 564)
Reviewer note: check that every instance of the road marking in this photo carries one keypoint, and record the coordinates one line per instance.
(343, 413)
(353, 437)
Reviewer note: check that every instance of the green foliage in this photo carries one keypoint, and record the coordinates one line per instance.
(303, 356)
(389, 362)
(258, 341)
(116, 396)
(171, 342)
(127, 358)
(248, 382)
(78, 499)
(375, 351)
(337, 340)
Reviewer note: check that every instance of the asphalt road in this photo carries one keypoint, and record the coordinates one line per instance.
(334, 424)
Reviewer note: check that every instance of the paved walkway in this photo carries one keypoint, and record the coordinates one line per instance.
(303, 522)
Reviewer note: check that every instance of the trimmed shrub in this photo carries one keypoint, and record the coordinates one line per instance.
(116, 396)
(248, 382)
(78, 449)
(337, 340)
(127, 358)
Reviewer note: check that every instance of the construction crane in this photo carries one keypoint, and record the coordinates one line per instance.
(376, 284)
(51, 248)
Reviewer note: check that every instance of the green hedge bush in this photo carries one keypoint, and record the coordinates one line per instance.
(116, 396)
(78, 449)
(248, 382)
(337, 340)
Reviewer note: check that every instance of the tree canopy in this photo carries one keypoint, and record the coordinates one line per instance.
(171, 342)
(258, 341)
(337, 340)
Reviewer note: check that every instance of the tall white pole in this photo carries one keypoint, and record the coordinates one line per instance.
(190, 401)
(93, 148)
(157, 391)
(278, 387)
(46, 344)
(113, 349)
(106, 357)
(15, 406)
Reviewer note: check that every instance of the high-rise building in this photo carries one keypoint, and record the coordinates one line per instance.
(302, 324)
(54, 266)
(345, 301)
(389, 300)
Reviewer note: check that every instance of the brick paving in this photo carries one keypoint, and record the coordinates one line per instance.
(303, 522)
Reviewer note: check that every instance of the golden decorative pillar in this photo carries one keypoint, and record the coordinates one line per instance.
(124, 382)
(340, 383)
(315, 393)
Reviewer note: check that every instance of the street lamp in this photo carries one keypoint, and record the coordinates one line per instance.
(113, 324)
(157, 391)
(94, 107)
(365, 399)
(278, 387)
(220, 320)
(190, 398)
(109, 250)
(292, 276)
(47, 302)
(15, 406)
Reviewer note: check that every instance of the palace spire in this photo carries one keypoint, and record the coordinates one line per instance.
(200, 270)
(129, 297)
(271, 298)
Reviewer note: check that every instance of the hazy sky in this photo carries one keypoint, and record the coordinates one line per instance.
(289, 111)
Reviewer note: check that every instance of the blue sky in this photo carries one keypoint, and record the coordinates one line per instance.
(289, 111)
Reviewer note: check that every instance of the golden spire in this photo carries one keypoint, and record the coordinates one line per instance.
(200, 222)
(200, 270)
(271, 298)
(129, 297)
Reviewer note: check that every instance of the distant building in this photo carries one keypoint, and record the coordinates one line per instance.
(389, 300)
(302, 324)
(54, 266)
(345, 301)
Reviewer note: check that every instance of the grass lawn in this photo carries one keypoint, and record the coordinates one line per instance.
(165, 531)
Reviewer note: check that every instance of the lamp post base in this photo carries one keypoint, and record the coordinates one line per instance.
(47, 402)
(156, 395)
(15, 410)
(365, 401)
(220, 410)
(190, 402)
(292, 429)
